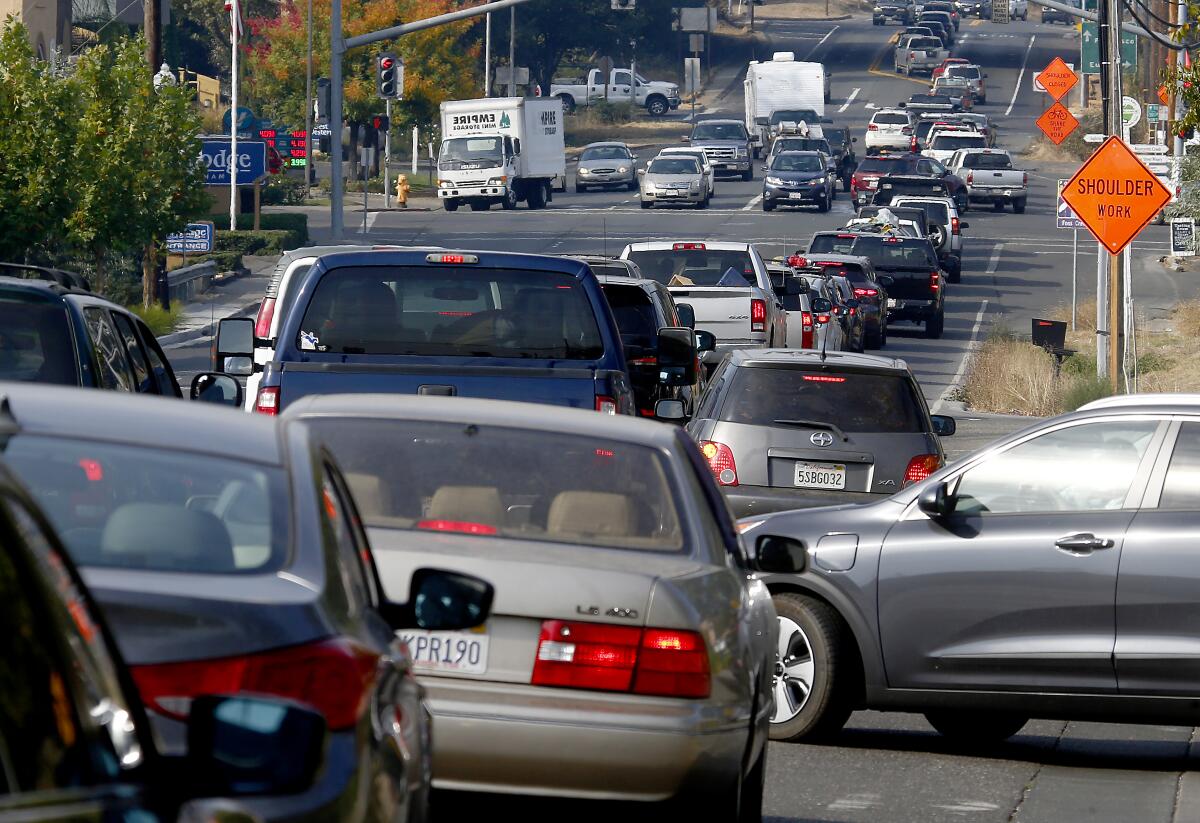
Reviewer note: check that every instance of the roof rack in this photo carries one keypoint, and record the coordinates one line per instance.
(25, 271)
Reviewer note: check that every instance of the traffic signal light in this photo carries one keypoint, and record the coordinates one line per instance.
(321, 101)
(380, 122)
(389, 76)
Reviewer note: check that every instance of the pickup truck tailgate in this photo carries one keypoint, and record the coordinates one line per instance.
(574, 387)
(723, 311)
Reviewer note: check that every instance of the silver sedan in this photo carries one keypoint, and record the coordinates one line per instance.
(606, 165)
(674, 180)
(629, 654)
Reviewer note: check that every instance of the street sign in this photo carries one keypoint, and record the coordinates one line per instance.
(1065, 217)
(1056, 123)
(695, 43)
(1000, 11)
(251, 161)
(1115, 195)
(1057, 79)
(322, 130)
(1131, 112)
(1183, 236)
(197, 238)
(1164, 95)
(1089, 49)
(247, 122)
(1095, 138)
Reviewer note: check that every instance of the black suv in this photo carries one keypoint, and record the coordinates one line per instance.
(873, 169)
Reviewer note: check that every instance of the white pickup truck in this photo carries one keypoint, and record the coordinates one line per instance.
(624, 85)
(991, 178)
(727, 285)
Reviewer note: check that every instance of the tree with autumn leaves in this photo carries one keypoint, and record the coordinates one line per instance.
(440, 64)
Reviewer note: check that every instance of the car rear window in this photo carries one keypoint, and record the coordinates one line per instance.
(832, 243)
(697, 267)
(882, 165)
(498, 482)
(919, 188)
(851, 271)
(969, 72)
(857, 402)
(634, 313)
(451, 311)
(987, 161)
(889, 253)
(890, 119)
(934, 212)
(153, 509)
(924, 43)
(953, 142)
(36, 345)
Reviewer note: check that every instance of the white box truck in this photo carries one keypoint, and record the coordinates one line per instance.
(782, 94)
(501, 150)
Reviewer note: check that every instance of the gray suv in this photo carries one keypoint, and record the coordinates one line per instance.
(727, 144)
(1050, 575)
(789, 428)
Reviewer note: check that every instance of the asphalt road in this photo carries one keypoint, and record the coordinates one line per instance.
(1015, 267)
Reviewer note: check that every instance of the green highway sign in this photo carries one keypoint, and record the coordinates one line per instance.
(1089, 49)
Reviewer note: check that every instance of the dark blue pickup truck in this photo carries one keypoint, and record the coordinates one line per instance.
(452, 323)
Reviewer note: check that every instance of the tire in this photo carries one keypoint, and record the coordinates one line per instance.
(757, 151)
(646, 204)
(632, 185)
(768, 206)
(954, 273)
(510, 199)
(962, 203)
(748, 174)
(579, 188)
(846, 182)
(874, 341)
(975, 728)
(657, 106)
(875, 22)
(450, 205)
(934, 326)
(475, 206)
(809, 627)
(568, 103)
(997, 205)
(536, 199)
(1018, 207)
(703, 204)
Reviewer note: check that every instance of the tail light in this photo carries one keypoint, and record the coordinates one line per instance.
(912, 55)
(822, 319)
(332, 676)
(662, 662)
(970, 177)
(853, 312)
(644, 361)
(906, 130)
(935, 281)
(806, 329)
(460, 526)
(266, 313)
(954, 225)
(720, 460)
(1024, 178)
(758, 315)
(606, 404)
(267, 401)
(872, 127)
(866, 292)
(921, 467)
(912, 144)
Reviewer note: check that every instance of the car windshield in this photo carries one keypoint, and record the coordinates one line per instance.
(953, 142)
(891, 253)
(965, 72)
(155, 509)
(450, 311)
(930, 100)
(674, 165)
(604, 153)
(634, 313)
(36, 344)
(882, 165)
(794, 116)
(798, 162)
(697, 267)
(987, 161)
(719, 131)
(889, 118)
(857, 402)
(473, 150)
(495, 482)
(800, 144)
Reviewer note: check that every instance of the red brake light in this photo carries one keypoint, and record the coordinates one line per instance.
(954, 225)
(92, 470)
(644, 361)
(860, 292)
(824, 378)
(970, 177)
(934, 281)
(720, 460)
(688, 247)
(797, 262)
(758, 315)
(672, 663)
(460, 526)
(822, 319)
(332, 676)
(605, 404)
(806, 328)
(266, 313)
(921, 467)
(267, 401)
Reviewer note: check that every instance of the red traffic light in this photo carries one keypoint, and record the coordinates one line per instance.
(385, 62)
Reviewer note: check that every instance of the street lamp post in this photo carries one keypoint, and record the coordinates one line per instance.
(308, 105)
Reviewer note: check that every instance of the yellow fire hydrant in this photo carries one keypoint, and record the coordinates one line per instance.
(402, 189)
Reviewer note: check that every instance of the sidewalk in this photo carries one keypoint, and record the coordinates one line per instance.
(233, 297)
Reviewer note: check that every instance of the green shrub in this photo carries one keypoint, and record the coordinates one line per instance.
(283, 190)
(292, 222)
(1153, 361)
(1082, 390)
(612, 113)
(159, 319)
(274, 241)
(225, 260)
(1082, 365)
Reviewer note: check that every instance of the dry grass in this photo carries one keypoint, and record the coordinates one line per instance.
(1085, 316)
(1011, 377)
(808, 9)
(585, 127)
(1187, 319)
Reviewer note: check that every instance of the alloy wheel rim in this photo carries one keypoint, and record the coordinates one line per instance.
(794, 672)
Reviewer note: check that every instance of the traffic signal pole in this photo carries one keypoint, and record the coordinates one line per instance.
(339, 45)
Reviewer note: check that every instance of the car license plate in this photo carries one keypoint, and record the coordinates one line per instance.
(821, 475)
(463, 652)
(893, 303)
(1008, 192)
(795, 195)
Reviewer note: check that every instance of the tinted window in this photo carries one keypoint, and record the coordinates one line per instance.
(798, 162)
(856, 402)
(969, 72)
(490, 481)
(144, 508)
(163, 374)
(934, 212)
(696, 267)
(832, 243)
(141, 368)
(891, 119)
(635, 316)
(889, 253)
(920, 188)
(673, 165)
(924, 43)
(457, 311)
(949, 142)
(110, 351)
(1182, 487)
(36, 342)
(882, 165)
(1080, 468)
(719, 131)
(987, 161)
(604, 153)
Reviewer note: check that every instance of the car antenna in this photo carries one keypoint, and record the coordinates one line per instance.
(825, 341)
(604, 232)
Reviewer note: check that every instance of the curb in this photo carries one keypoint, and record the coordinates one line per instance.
(806, 19)
(180, 337)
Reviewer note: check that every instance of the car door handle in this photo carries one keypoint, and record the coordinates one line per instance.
(1082, 543)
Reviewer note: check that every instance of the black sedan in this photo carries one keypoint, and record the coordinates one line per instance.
(798, 178)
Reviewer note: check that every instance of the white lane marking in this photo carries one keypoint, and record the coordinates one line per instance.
(1020, 76)
(752, 203)
(849, 100)
(821, 42)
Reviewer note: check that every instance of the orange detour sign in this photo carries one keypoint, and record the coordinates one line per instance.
(1115, 195)
(1057, 78)
(1056, 123)
(1164, 96)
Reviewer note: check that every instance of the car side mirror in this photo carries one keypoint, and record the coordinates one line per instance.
(687, 315)
(214, 387)
(687, 138)
(516, 146)
(239, 366)
(779, 555)
(235, 338)
(795, 285)
(826, 120)
(885, 280)
(676, 356)
(943, 426)
(963, 225)
(985, 76)
(641, 172)
(821, 305)
(852, 303)
(253, 746)
(669, 410)
(440, 600)
(937, 501)
(706, 341)
(853, 139)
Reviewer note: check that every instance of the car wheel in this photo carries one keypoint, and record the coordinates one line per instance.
(450, 205)
(739, 801)
(657, 106)
(813, 672)
(961, 202)
(568, 103)
(1018, 207)
(979, 728)
(934, 326)
(536, 199)
(954, 272)
(646, 204)
(510, 200)
(580, 189)
(748, 174)
(768, 205)
(825, 204)
(632, 185)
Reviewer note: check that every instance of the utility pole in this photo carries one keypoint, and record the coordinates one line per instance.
(1110, 34)
(512, 51)
(152, 21)
(1176, 98)
(487, 56)
(308, 106)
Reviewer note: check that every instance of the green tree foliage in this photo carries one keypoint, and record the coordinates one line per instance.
(94, 163)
